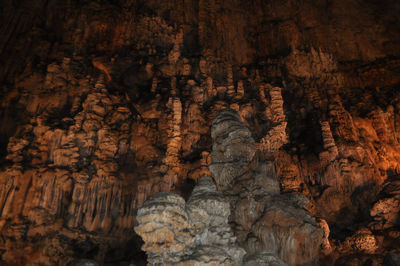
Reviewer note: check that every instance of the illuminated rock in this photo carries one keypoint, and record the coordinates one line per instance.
(106, 103)
(265, 220)
(197, 233)
(233, 148)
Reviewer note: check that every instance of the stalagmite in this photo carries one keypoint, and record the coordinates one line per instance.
(266, 222)
(272, 223)
(195, 233)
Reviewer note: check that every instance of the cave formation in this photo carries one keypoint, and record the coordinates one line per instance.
(292, 107)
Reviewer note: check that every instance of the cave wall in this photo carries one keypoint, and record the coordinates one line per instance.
(105, 103)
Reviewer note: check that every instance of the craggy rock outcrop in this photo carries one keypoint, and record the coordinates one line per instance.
(73, 178)
(233, 148)
(268, 224)
(209, 212)
(195, 233)
(164, 227)
(264, 220)
(105, 103)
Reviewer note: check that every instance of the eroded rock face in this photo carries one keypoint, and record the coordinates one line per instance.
(164, 227)
(106, 103)
(264, 220)
(269, 225)
(233, 148)
(195, 233)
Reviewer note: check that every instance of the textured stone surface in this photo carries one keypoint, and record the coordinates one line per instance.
(262, 258)
(164, 227)
(233, 148)
(105, 103)
(265, 220)
(386, 211)
(192, 233)
(269, 225)
(363, 240)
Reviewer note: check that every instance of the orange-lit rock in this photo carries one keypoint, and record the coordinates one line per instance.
(106, 103)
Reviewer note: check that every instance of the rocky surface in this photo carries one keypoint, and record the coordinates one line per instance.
(106, 103)
(262, 258)
(268, 225)
(164, 227)
(264, 220)
(386, 210)
(192, 233)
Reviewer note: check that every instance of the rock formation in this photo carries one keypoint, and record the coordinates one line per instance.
(264, 220)
(233, 148)
(106, 103)
(164, 227)
(195, 233)
(386, 210)
(269, 225)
